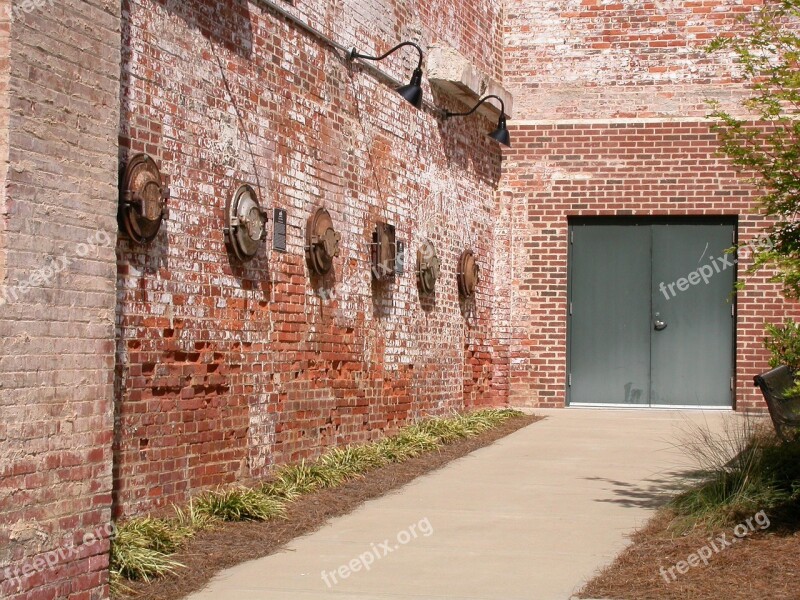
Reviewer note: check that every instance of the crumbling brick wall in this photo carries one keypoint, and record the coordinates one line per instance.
(224, 369)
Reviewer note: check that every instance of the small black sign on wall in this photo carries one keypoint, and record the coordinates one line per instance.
(400, 258)
(279, 232)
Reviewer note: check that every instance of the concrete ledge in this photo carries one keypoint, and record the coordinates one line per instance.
(451, 73)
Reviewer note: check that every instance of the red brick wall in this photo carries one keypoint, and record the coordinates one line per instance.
(609, 106)
(224, 370)
(60, 117)
(5, 50)
(597, 59)
(474, 27)
(636, 168)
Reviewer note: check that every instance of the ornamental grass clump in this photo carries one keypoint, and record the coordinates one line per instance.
(743, 469)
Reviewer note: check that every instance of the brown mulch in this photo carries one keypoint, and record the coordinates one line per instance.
(233, 543)
(764, 564)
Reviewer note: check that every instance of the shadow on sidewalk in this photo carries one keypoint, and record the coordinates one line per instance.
(649, 493)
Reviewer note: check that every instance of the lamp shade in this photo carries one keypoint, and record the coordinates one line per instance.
(501, 134)
(413, 91)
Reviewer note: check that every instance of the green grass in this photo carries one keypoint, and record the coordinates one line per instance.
(239, 504)
(193, 519)
(353, 461)
(141, 548)
(292, 481)
(743, 470)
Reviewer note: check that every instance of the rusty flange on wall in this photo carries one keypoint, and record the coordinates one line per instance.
(428, 265)
(467, 275)
(244, 223)
(384, 252)
(143, 199)
(322, 242)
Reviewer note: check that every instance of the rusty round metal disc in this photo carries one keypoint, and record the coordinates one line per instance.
(428, 265)
(322, 242)
(244, 223)
(142, 205)
(468, 273)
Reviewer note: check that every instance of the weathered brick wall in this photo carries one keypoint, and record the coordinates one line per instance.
(5, 30)
(475, 27)
(605, 59)
(60, 117)
(224, 370)
(609, 106)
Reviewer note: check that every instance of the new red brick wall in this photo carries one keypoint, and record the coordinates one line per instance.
(642, 168)
(225, 370)
(60, 117)
(609, 106)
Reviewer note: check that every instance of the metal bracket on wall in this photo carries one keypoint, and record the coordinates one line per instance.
(428, 266)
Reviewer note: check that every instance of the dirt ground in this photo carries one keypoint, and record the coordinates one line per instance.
(762, 564)
(232, 543)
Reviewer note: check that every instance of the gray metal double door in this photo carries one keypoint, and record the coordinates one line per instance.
(651, 318)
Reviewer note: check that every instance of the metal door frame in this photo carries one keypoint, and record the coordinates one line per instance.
(722, 220)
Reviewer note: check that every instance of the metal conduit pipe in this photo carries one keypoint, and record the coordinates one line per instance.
(438, 112)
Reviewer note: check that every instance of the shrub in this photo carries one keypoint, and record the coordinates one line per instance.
(783, 342)
(352, 461)
(292, 481)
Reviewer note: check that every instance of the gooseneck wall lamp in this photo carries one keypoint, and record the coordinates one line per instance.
(411, 92)
(501, 133)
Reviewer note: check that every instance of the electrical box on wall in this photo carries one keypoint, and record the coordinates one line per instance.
(279, 229)
(400, 258)
(322, 242)
(244, 223)
(143, 199)
(384, 252)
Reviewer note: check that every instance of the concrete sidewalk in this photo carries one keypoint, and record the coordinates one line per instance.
(530, 517)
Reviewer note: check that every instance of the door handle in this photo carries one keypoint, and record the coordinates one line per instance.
(659, 325)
